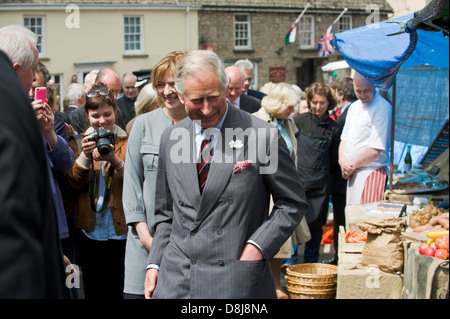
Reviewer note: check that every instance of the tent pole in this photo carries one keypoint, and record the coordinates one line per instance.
(391, 165)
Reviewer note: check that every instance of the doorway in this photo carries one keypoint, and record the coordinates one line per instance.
(305, 74)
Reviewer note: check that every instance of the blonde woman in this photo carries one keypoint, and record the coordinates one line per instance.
(277, 108)
(146, 101)
(140, 172)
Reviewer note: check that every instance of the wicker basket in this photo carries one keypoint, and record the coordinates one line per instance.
(295, 284)
(312, 273)
(311, 294)
(311, 281)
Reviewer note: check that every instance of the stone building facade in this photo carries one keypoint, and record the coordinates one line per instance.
(269, 21)
(234, 29)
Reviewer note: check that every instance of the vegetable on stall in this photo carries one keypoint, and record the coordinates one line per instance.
(352, 237)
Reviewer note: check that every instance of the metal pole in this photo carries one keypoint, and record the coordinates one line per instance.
(391, 167)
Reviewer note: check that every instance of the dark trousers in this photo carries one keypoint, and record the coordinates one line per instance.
(339, 200)
(312, 247)
(102, 264)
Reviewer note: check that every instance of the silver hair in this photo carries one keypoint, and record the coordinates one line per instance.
(90, 75)
(16, 42)
(74, 90)
(196, 62)
(245, 64)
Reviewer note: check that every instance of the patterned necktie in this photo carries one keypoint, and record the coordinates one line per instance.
(206, 152)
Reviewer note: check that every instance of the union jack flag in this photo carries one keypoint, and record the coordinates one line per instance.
(326, 42)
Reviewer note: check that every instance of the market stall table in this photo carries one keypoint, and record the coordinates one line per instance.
(422, 277)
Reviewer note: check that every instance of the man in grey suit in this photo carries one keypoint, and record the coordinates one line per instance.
(217, 243)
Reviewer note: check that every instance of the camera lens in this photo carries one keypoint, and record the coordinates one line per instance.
(103, 146)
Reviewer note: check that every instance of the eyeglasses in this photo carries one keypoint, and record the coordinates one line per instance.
(91, 93)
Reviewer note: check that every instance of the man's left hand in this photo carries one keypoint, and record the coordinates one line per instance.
(251, 252)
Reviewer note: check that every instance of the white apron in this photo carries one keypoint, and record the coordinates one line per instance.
(356, 183)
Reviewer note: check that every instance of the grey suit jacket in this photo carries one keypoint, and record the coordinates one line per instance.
(198, 238)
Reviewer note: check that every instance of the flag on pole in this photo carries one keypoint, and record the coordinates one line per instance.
(326, 42)
(290, 36)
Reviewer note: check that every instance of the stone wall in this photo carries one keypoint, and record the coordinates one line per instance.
(268, 31)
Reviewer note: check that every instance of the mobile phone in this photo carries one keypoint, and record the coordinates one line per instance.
(40, 93)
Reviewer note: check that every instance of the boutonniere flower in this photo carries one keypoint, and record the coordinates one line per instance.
(237, 144)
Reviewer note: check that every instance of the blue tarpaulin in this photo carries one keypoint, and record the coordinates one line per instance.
(418, 62)
(370, 51)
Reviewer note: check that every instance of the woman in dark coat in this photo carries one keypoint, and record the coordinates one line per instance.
(317, 158)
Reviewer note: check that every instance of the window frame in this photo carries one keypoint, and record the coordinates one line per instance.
(350, 23)
(41, 36)
(141, 36)
(310, 32)
(248, 23)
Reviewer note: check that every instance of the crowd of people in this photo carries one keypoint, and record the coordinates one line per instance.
(147, 192)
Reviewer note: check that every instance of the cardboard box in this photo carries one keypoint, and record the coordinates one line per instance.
(367, 283)
(349, 253)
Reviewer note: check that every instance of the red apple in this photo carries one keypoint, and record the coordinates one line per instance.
(436, 242)
(441, 253)
(429, 251)
(442, 242)
(422, 248)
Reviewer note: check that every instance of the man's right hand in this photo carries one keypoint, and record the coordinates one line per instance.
(150, 282)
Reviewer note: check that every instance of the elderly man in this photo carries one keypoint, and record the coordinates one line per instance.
(365, 142)
(247, 67)
(31, 260)
(76, 97)
(125, 102)
(214, 238)
(234, 91)
(89, 80)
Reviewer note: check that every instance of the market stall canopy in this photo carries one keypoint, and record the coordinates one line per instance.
(378, 51)
(338, 65)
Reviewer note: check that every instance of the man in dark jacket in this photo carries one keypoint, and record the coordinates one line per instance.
(31, 261)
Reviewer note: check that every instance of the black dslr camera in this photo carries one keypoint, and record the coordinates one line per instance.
(103, 138)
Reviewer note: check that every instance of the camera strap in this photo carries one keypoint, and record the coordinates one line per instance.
(108, 188)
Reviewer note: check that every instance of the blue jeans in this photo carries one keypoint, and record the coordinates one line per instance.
(312, 247)
(294, 256)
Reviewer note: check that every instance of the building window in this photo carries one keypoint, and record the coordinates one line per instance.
(345, 23)
(306, 32)
(36, 24)
(242, 34)
(132, 35)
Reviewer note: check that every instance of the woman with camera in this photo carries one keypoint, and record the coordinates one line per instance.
(97, 176)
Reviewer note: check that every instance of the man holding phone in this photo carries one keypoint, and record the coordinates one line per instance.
(43, 275)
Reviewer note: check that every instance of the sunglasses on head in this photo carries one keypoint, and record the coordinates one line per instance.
(91, 93)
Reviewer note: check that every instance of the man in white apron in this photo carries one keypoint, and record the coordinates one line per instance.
(365, 142)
